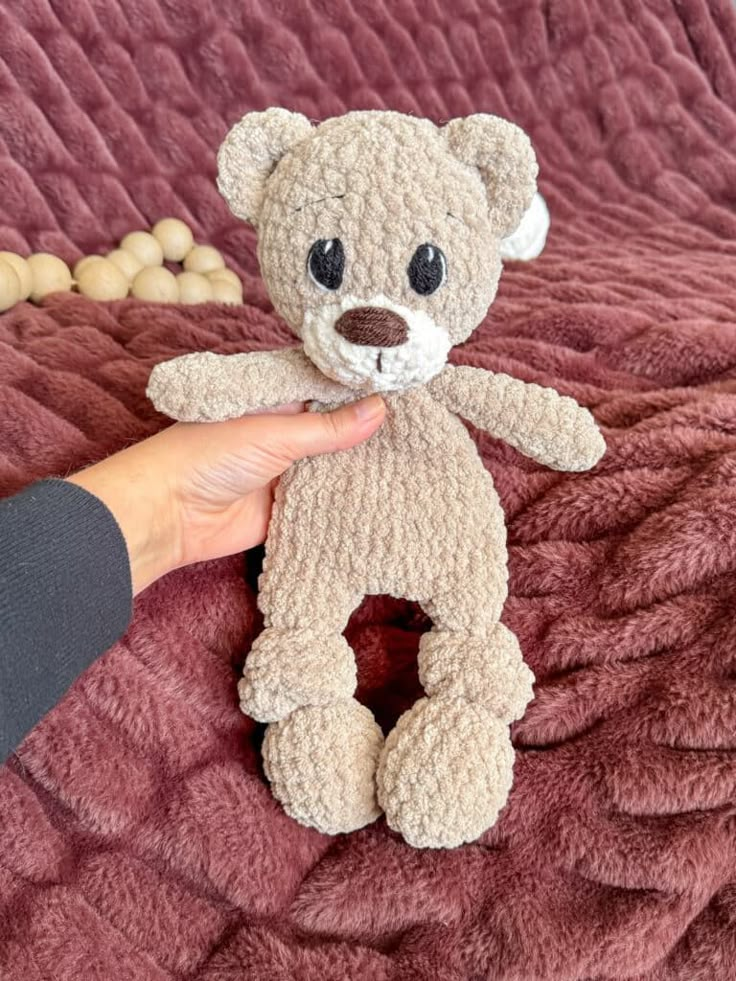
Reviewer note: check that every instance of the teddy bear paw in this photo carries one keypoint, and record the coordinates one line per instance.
(177, 390)
(445, 772)
(288, 669)
(321, 763)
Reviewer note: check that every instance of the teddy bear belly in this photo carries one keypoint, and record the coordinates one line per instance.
(404, 520)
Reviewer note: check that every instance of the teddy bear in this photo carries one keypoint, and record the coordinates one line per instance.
(379, 242)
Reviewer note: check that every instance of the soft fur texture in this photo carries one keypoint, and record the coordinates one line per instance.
(138, 837)
(413, 515)
(381, 182)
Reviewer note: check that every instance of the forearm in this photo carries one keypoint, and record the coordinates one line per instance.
(539, 422)
(206, 387)
(65, 597)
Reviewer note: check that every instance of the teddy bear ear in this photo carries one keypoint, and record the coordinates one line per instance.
(250, 153)
(503, 155)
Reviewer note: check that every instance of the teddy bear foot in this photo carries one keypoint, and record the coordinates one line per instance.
(445, 772)
(321, 762)
(288, 669)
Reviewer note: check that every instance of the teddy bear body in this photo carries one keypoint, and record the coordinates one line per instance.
(411, 513)
(428, 521)
(379, 243)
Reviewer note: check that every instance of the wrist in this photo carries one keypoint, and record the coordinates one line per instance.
(144, 511)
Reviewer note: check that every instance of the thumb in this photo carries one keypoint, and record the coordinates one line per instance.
(311, 433)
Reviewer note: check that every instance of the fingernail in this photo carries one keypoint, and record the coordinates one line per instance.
(368, 408)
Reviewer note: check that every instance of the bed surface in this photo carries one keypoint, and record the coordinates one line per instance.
(138, 838)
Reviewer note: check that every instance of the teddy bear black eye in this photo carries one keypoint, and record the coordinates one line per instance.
(427, 270)
(326, 263)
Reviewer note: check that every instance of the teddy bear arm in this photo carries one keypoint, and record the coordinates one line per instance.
(207, 387)
(539, 422)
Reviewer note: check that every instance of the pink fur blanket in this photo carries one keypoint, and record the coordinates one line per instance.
(138, 839)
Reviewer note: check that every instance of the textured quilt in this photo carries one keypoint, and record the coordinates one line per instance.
(138, 838)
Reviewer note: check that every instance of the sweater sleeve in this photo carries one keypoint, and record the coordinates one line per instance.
(65, 597)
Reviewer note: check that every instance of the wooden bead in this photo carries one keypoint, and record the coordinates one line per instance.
(82, 263)
(225, 292)
(194, 288)
(128, 264)
(21, 271)
(156, 284)
(228, 275)
(10, 288)
(203, 259)
(174, 237)
(144, 247)
(103, 281)
(49, 274)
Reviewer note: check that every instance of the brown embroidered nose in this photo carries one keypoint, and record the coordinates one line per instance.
(375, 326)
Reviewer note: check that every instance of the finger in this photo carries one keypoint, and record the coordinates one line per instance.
(312, 433)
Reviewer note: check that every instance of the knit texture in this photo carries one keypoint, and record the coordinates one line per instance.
(379, 182)
(419, 518)
(413, 514)
(65, 596)
(139, 838)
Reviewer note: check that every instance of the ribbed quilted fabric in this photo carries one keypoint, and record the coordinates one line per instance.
(138, 839)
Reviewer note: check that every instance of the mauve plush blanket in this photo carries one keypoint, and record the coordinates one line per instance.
(138, 838)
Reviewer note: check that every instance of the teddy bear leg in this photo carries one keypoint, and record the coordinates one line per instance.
(301, 657)
(321, 751)
(446, 768)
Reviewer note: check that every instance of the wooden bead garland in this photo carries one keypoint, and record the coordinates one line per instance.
(22, 271)
(128, 264)
(103, 281)
(9, 286)
(228, 275)
(144, 247)
(81, 264)
(194, 288)
(224, 292)
(203, 259)
(49, 274)
(174, 237)
(135, 268)
(154, 283)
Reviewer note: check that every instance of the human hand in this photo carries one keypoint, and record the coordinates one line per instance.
(199, 491)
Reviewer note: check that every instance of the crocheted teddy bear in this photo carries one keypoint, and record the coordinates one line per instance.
(378, 240)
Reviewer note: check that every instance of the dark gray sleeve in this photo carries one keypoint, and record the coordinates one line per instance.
(65, 597)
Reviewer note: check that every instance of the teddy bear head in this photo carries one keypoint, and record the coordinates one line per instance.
(378, 233)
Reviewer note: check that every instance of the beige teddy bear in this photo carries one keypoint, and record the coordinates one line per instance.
(378, 240)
